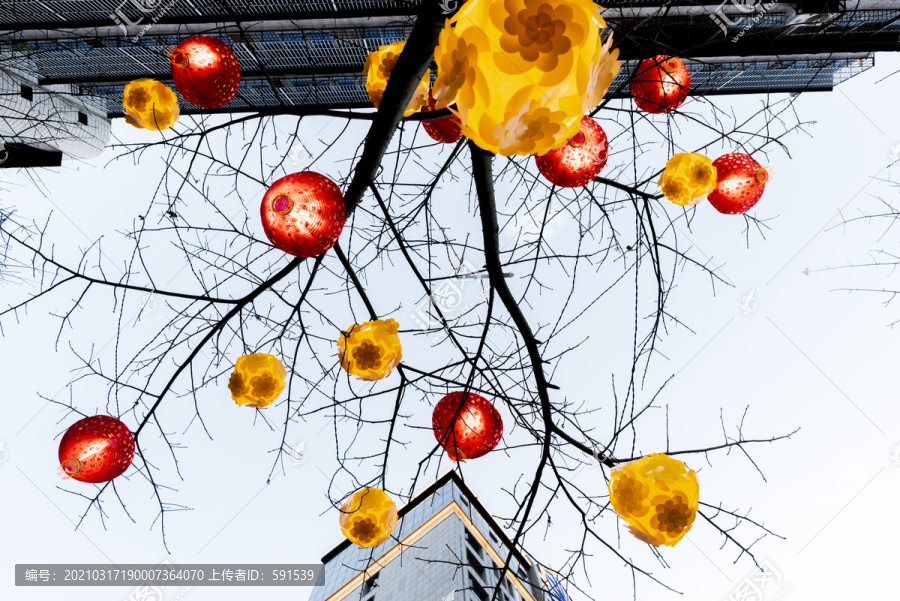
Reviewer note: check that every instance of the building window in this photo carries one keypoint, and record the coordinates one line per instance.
(493, 536)
(465, 501)
(523, 576)
(26, 92)
(370, 584)
(478, 591)
(472, 542)
(82, 118)
(474, 564)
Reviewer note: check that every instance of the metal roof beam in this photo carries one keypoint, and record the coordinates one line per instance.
(109, 30)
(306, 20)
(246, 75)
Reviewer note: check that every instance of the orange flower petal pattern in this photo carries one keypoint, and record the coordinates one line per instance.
(150, 104)
(657, 496)
(378, 68)
(688, 178)
(370, 350)
(257, 380)
(522, 73)
(368, 517)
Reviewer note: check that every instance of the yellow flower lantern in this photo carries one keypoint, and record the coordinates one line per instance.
(379, 66)
(370, 350)
(688, 178)
(369, 517)
(150, 104)
(257, 380)
(657, 496)
(523, 72)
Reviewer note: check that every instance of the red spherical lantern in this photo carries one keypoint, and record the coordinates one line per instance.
(96, 449)
(661, 84)
(206, 71)
(303, 214)
(446, 130)
(579, 160)
(740, 183)
(466, 428)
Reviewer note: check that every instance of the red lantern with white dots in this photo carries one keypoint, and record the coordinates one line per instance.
(206, 71)
(96, 449)
(661, 84)
(303, 214)
(740, 183)
(579, 160)
(466, 428)
(446, 130)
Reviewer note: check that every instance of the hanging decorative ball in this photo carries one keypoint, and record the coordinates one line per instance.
(741, 182)
(467, 429)
(378, 68)
(150, 104)
(206, 71)
(96, 449)
(579, 160)
(657, 496)
(522, 73)
(688, 177)
(661, 84)
(370, 350)
(303, 214)
(257, 380)
(447, 130)
(368, 517)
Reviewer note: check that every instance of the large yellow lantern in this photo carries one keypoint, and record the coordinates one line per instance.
(688, 178)
(257, 380)
(657, 496)
(370, 350)
(379, 66)
(369, 517)
(523, 72)
(150, 104)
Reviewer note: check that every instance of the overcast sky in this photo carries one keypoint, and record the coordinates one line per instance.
(804, 356)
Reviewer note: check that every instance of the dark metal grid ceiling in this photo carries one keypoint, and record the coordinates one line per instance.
(323, 67)
(706, 79)
(61, 11)
(115, 56)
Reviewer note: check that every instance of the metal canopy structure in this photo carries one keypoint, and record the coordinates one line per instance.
(304, 55)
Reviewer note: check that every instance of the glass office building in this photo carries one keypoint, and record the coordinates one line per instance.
(446, 547)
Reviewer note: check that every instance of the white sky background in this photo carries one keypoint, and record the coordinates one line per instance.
(803, 358)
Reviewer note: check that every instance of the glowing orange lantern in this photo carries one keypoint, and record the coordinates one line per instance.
(740, 183)
(378, 68)
(206, 71)
(149, 104)
(96, 449)
(467, 428)
(303, 214)
(687, 178)
(368, 517)
(661, 84)
(579, 160)
(370, 350)
(657, 496)
(257, 380)
(522, 73)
